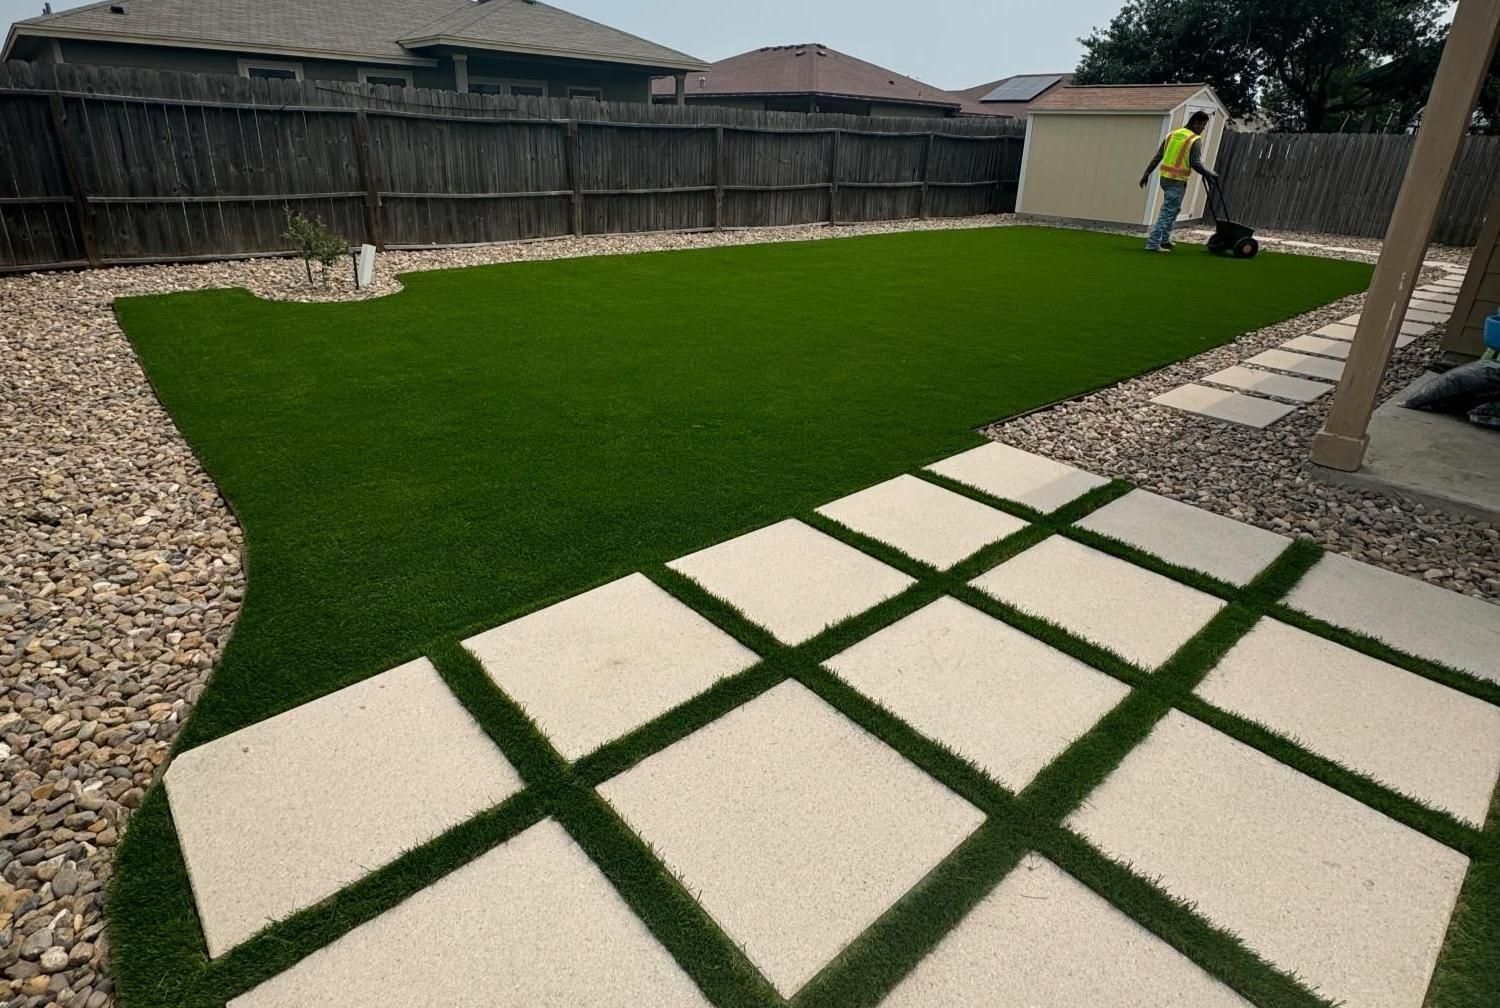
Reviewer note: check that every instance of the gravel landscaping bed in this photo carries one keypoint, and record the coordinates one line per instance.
(121, 573)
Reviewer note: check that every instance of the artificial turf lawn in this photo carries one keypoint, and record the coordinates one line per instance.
(414, 468)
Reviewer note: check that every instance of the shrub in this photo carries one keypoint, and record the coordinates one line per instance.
(315, 242)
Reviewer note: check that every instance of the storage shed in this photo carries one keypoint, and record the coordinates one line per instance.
(1086, 147)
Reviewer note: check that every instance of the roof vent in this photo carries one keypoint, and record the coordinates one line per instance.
(117, 8)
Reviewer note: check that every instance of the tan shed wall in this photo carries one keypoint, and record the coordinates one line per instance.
(1480, 296)
(1087, 166)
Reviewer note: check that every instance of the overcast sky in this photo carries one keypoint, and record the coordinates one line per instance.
(950, 43)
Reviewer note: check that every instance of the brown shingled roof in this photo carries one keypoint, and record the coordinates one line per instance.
(972, 104)
(810, 68)
(1116, 98)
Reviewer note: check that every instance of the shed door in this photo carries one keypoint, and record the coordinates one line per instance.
(1197, 197)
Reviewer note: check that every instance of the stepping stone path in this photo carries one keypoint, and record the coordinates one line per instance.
(1266, 383)
(1302, 364)
(1247, 410)
(694, 814)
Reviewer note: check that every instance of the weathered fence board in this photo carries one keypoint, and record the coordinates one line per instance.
(122, 165)
(1347, 183)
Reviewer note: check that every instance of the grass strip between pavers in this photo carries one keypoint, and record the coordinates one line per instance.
(881, 957)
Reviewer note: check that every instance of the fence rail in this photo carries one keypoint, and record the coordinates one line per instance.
(102, 166)
(1347, 184)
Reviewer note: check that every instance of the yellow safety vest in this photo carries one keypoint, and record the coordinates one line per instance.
(1177, 158)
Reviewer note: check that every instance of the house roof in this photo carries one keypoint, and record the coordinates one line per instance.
(377, 30)
(810, 68)
(993, 98)
(1117, 98)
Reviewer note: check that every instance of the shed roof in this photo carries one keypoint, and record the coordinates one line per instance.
(384, 30)
(1117, 98)
(810, 68)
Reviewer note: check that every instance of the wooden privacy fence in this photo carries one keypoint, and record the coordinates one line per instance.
(102, 166)
(1347, 183)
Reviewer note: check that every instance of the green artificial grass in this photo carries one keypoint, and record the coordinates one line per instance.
(414, 469)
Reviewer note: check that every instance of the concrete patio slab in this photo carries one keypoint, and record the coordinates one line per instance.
(1189, 537)
(793, 827)
(280, 815)
(985, 690)
(1267, 384)
(599, 665)
(1411, 734)
(1411, 615)
(936, 526)
(1312, 367)
(1042, 939)
(1353, 902)
(1319, 346)
(793, 580)
(1245, 410)
(531, 924)
(1098, 597)
(1011, 474)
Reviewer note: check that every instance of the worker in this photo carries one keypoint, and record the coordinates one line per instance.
(1179, 155)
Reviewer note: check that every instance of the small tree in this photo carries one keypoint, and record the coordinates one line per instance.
(315, 242)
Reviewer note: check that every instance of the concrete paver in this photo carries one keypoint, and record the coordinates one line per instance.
(1353, 902)
(1408, 327)
(1267, 384)
(793, 827)
(1011, 474)
(1433, 317)
(531, 924)
(1337, 330)
(280, 815)
(1319, 346)
(1313, 367)
(1189, 537)
(1419, 618)
(1233, 407)
(980, 687)
(791, 579)
(1409, 733)
(1098, 597)
(594, 667)
(934, 525)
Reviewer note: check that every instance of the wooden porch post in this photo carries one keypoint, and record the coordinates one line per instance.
(682, 89)
(1466, 60)
(461, 72)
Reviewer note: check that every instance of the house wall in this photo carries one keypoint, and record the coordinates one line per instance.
(620, 84)
(1480, 296)
(1087, 167)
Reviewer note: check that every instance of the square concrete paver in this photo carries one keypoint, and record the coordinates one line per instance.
(1139, 615)
(1319, 346)
(1246, 410)
(1344, 333)
(984, 689)
(1189, 537)
(1433, 317)
(1266, 383)
(1353, 902)
(1313, 367)
(936, 526)
(1426, 305)
(531, 924)
(1042, 939)
(1413, 616)
(1011, 474)
(597, 666)
(277, 816)
(1442, 295)
(793, 827)
(1408, 327)
(1409, 733)
(1338, 330)
(793, 580)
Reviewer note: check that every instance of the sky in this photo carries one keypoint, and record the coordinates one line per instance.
(951, 43)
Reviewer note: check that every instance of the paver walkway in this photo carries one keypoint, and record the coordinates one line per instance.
(992, 732)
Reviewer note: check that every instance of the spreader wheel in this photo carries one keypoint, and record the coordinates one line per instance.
(1215, 244)
(1246, 248)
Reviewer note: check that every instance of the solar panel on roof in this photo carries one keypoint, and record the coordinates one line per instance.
(1022, 89)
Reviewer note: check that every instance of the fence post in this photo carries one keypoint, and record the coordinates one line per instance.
(575, 174)
(718, 178)
(833, 179)
(926, 161)
(367, 180)
(75, 181)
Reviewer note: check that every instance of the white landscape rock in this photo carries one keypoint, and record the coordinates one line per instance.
(1141, 616)
(791, 579)
(1422, 619)
(1042, 939)
(592, 668)
(280, 815)
(1266, 383)
(985, 690)
(925, 521)
(1233, 407)
(1354, 903)
(1011, 474)
(793, 827)
(1187, 536)
(1409, 733)
(531, 924)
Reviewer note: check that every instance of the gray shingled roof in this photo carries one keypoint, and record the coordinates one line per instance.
(368, 28)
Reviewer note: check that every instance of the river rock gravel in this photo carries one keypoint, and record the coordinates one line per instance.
(121, 572)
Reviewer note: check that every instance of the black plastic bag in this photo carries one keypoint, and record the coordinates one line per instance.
(1460, 390)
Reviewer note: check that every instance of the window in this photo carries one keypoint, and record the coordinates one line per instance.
(597, 94)
(395, 78)
(270, 70)
(514, 88)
